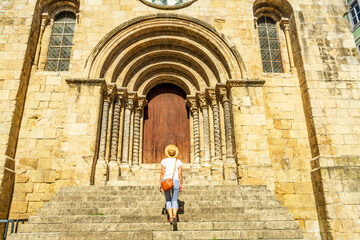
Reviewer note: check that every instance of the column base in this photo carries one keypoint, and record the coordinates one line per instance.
(114, 170)
(135, 168)
(217, 170)
(230, 172)
(205, 170)
(125, 169)
(101, 173)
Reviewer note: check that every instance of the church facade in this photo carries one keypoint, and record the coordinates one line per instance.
(263, 92)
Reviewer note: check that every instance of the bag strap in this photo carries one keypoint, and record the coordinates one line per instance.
(174, 169)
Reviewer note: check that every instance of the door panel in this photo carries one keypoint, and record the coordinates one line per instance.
(166, 121)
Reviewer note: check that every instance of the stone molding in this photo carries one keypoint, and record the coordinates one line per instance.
(86, 81)
(245, 83)
(101, 50)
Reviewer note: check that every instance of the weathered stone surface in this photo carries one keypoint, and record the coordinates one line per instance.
(296, 132)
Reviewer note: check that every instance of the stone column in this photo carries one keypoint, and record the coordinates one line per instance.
(230, 164)
(44, 20)
(216, 118)
(101, 164)
(206, 130)
(129, 104)
(136, 140)
(286, 26)
(113, 164)
(218, 164)
(43, 54)
(192, 103)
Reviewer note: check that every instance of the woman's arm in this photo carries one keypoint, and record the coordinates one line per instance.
(180, 177)
(161, 176)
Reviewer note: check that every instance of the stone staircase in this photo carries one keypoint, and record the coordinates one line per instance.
(148, 175)
(135, 212)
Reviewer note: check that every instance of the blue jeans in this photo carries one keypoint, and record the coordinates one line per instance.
(171, 196)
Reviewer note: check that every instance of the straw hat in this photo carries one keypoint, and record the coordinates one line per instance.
(171, 147)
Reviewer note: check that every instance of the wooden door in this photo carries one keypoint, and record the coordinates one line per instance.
(166, 121)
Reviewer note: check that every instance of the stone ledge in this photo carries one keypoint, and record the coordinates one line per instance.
(335, 161)
(86, 81)
(245, 83)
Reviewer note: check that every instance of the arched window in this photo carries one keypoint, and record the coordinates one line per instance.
(269, 45)
(62, 34)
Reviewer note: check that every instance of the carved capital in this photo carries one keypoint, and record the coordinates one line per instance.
(211, 93)
(222, 91)
(129, 104)
(255, 22)
(121, 93)
(141, 103)
(285, 24)
(192, 103)
(130, 101)
(110, 90)
(202, 100)
(44, 19)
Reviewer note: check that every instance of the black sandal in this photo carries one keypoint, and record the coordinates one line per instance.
(174, 221)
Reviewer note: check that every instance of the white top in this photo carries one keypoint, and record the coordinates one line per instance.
(168, 163)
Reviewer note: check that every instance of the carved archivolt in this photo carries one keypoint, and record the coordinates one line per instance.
(136, 50)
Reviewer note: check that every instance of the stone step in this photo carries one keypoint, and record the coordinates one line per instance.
(144, 217)
(160, 204)
(73, 198)
(183, 226)
(230, 234)
(135, 212)
(140, 187)
(156, 192)
(155, 211)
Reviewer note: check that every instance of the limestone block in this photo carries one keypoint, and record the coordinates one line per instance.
(33, 206)
(29, 163)
(24, 187)
(50, 176)
(19, 207)
(53, 80)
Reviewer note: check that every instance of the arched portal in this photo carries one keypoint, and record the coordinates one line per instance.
(141, 58)
(166, 121)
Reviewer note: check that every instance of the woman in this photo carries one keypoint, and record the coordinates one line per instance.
(167, 171)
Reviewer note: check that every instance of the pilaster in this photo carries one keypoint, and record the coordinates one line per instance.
(193, 105)
(206, 129)
(141, 103)
(129, 106)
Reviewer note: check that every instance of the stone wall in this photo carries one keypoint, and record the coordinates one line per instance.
(281, 122)
(328, 74)
(16, 46)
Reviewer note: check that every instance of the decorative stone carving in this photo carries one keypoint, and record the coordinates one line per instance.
(141, 102)
(216, 118)
(129, 105)
(113, 164)
(206, 139)
(223, 93)
(192, 103)
(103, 131)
